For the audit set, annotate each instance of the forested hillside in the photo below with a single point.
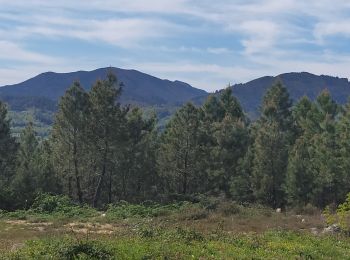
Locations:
(44, 91)
(298, 85)
(101, 151)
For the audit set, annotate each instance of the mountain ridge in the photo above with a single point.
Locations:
(138, 87)
(299, 84)
(147, 90)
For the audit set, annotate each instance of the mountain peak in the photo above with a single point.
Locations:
(138, 87)
(299, 84)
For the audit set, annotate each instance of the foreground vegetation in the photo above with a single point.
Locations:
(55, 228)
(182, 244)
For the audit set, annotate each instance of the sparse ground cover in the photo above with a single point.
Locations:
(55, 228)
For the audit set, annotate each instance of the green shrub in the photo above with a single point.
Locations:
(85, 250)
(63, 248)
(46, 203)
(18, 214)
(124, 210)
(189, 235)
(341, 216)
(56, 206)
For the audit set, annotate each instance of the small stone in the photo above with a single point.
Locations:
(331, 229)
(314, 231)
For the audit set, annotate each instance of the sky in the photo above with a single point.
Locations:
(208, 44)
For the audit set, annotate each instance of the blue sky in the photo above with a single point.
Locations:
(206, 43)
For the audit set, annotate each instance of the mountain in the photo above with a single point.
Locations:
(44, 90)
(298, 84)
(138, 88)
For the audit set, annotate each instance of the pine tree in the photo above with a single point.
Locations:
(299, 181)
(69, 137)
(137, 165)
(324, 153)
(313, 171)
(272, 141)
(48, 180)
(106, 122)
(343, 140)
(180, 152)
(8, 148)
(224, 139)
(25, 182)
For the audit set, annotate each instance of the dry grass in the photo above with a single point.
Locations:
(227, 218)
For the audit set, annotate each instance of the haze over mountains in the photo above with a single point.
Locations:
(44, 90)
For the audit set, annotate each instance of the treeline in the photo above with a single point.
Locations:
(100, 152)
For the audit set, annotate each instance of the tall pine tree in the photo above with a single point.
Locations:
(69, 138)
(273, 137)
(180, 153)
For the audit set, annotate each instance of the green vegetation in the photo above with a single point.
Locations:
(183, 244)
(100, 152)
(41, 119)
(340, 216)
(172, 231)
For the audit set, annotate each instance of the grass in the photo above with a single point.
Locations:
(188, 244)
(205, 230)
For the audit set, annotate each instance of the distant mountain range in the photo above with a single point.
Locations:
(138, 88)
(298, 84)
(44, 90)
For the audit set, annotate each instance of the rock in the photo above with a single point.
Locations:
(314, 231)
(16, 246)
(278, 210)
(331, 229)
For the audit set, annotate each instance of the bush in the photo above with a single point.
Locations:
(18, 214)
(47, 206)
(60, 205)
(46, 203)
(342, 215)
(63, 248)
(85, 250)
(124, 210)
(188, 235)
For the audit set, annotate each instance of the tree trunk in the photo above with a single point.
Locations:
(76, 171)
(70, 187)
(100, 181)
(110, 188)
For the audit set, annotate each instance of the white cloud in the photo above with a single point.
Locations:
(323, 30)
(270, 33)
(14, 52)
(124, 32)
